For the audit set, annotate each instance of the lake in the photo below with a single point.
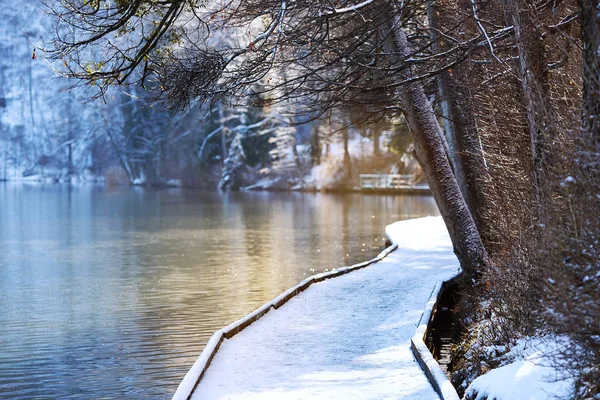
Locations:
(111, 293)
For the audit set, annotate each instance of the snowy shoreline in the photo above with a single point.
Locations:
(417, 190)
(418, 245)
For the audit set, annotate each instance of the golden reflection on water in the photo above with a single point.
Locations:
(113, 293)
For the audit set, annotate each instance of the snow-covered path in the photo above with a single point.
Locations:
(343, 338)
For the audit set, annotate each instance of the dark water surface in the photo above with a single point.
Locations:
(112, 293)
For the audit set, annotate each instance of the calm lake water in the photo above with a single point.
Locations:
(112, 293)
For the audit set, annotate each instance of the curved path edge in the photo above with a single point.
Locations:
(428, 363)
(195, 374)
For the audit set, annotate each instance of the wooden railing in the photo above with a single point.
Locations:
(383, 181)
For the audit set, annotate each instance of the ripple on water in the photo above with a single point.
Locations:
(113, 294)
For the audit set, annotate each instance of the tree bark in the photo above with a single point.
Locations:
(70, 137)
(220, 118)
(122, 157)
(466, 151)
(315, 143)
(472, 158)
(376, 150)
(347, 159)
(590, 37)
(295, 154)
(432, 156)
(454, 152)
(533, 73)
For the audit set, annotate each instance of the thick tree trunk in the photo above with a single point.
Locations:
(451, 134)
(590, 37)
(533, 73)
(432, 156)
(469, 148)
(464, 145)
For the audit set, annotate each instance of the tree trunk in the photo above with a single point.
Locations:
(5, 149)
(454, 151)
(70, 168)
(315, 143)
(122, 157)
(469, 147)
(376, 135)
(6, 138)
(70, 158)
(432, 156)
(220, 118)
(533, 73)
(465, 148)
(5, 159)
(294, 144)
(347, 160)
(34, 139)
(590, 37)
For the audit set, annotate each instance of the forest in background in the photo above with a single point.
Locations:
(47, 133)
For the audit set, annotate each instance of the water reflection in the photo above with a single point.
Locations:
(113, 293)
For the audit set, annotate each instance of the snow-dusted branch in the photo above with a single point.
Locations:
(264, 36)
(344, 10)
(482, 29)
(206, 139)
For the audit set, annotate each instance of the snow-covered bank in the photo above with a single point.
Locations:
(527, 373)
(348, 337)
(50, 176)
(71, 180)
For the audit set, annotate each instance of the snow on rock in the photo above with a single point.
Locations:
(342, 338)
(529, 375)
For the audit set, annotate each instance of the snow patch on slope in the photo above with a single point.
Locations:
(528, 375)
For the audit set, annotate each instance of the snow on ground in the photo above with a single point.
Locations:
(529, 375)
(343, 338)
